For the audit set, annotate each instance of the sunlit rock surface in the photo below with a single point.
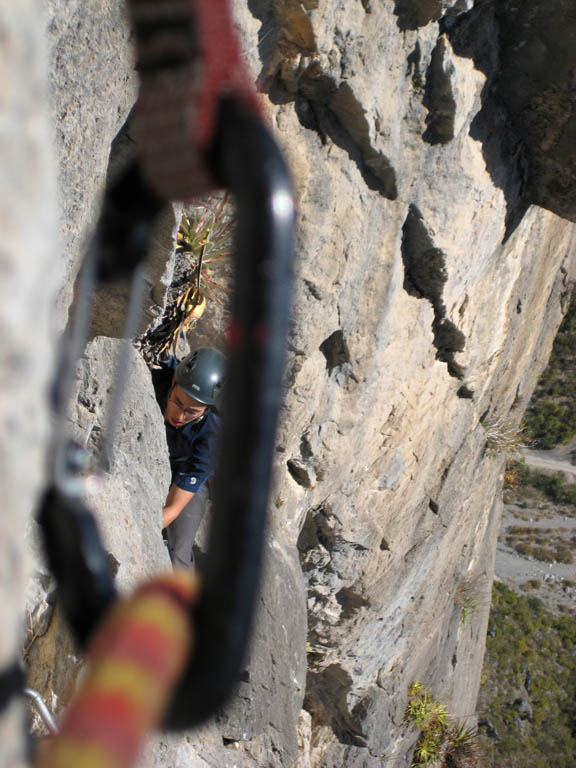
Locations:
(429, 286)
(92, 88)
(429, 290)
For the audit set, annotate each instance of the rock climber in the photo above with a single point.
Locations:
(188, 394)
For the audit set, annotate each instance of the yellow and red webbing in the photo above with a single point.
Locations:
(134, 662)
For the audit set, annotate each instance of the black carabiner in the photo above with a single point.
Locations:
(247, 161)
(244, 159)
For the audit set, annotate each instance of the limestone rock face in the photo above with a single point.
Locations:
(28, 283)
(434, 256)
(530, 85)
(266, 711)
(92, 88)
(127, 504)
(259, 727)
(428, 292)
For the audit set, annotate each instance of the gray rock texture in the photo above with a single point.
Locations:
(129, 502)
(126, 502)
(530, 86)
(111, 300)
(430, 143)
(417, 305)
(28, 283)
(92, 88)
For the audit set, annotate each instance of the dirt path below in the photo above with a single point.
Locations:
(551, 465)
(535, 518)
(560, 459)
(515, 570)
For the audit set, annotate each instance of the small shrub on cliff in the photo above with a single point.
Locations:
(441, 743)
(460, 749)
(469, 596)
(502, 437)
(204, 242)
(512, 476)
(424, 711)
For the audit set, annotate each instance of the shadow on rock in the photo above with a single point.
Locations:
(527, 123)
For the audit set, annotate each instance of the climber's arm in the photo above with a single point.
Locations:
(175, 503)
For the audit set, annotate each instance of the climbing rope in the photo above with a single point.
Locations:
(198, 126)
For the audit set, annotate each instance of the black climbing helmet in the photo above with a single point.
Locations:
(201, 375)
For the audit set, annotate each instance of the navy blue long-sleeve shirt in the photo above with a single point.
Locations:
(192, 446)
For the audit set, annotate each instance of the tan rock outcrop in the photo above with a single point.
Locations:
(428, 294)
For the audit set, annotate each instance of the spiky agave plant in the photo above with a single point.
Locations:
(441, 743)
(430, 717)
(422, 710)
(502, 437)
(459, 748)
(204, 240)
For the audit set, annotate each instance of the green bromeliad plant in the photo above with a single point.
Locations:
(203, 248)
(441, 743)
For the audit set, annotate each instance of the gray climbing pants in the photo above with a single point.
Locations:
(181, 532)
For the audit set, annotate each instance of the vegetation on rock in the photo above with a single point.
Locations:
(528, 693)
(204, 242)
(469, 597)
(502, 437)
(441, 743)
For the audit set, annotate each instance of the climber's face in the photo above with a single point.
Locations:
(181, 408)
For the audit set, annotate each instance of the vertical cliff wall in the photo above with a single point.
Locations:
(429, 289)
(433, 155)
